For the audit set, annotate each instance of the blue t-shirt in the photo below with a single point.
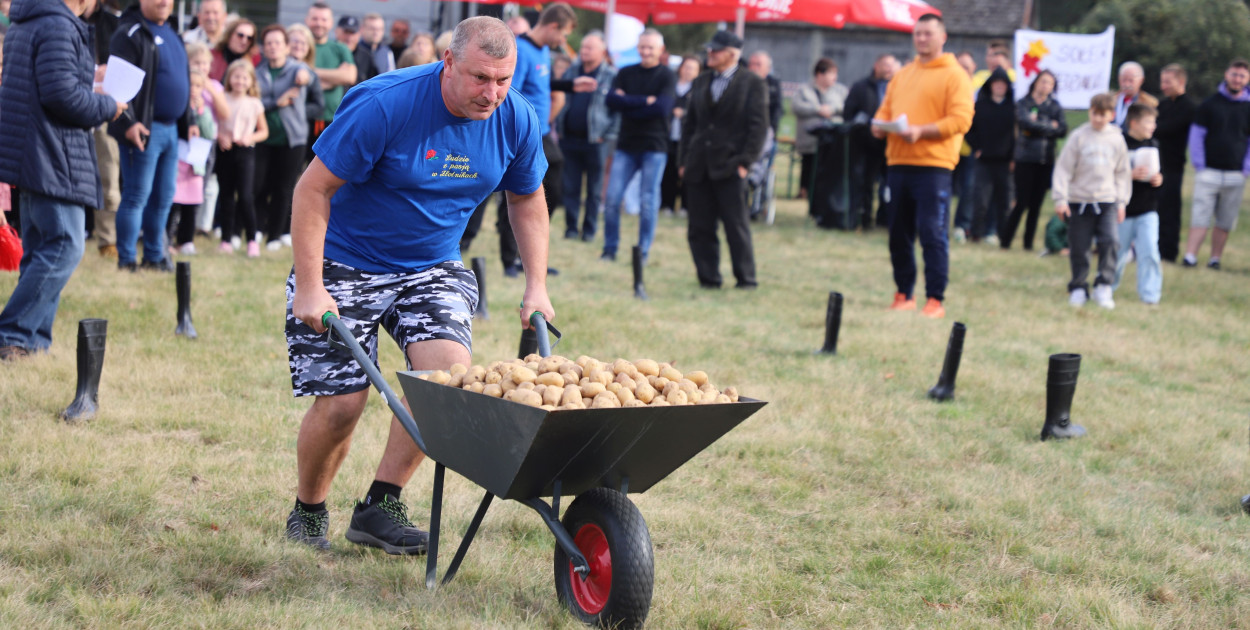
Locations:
(532, 78)
(415, 172)
(173, 81)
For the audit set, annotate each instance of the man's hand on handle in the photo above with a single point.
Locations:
(536, 300)
(311, 303)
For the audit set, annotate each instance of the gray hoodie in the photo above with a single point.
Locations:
(296, 115)
(1093, 168)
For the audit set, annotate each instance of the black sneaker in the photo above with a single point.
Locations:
(309, 528)
(385, 525)
(1213, 264)
(1185, 262)
(163, 265)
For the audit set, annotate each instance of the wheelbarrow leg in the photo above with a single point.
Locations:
(436, 513)
(468, 538)
(563, 538)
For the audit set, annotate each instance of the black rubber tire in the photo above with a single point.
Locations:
(632, 564)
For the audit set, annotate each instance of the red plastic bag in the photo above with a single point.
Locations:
(10, 248)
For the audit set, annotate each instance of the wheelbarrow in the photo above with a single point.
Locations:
(603, 565)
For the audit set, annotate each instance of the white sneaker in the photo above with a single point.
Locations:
(1077, 298)
(959, 235)
(991, 239)
(273, 246)
(285, 239)
(1102, 296)
(187, 249)
(236, 242)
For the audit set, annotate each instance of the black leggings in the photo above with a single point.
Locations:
(236, 173)
(1032, 182)
(278, 167)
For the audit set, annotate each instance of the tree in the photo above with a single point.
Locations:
(1201, 35)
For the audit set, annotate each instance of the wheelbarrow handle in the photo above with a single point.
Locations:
(340, 337)
(538, 322)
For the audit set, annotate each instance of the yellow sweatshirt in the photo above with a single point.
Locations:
(936, 92)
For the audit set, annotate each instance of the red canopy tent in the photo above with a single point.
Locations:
(899, 15)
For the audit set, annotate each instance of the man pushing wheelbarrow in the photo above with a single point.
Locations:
(376, 224)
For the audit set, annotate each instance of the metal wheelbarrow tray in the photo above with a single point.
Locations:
(603, 556)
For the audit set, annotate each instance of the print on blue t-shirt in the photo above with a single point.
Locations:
(532, 78)
(415, 172)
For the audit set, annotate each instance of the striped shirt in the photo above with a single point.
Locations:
(721, 81)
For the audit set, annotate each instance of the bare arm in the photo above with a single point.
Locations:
(310, 215)
(530, 224)
(262, 131)
(344, 75)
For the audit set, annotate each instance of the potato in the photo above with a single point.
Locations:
(600, 375)
(658, 382)
(591, 389)
(671, 373)
(645, 392)
(552, 395)
(677, 397)
(456, 380)
(635, 403)
(571, 393)
(493, 390)
(493, 366)
(527, 397)
(627, 381)
(687, 386)
(721, 399)
(550, 364)
(522, 375)
(507, 384)
(526, 385)
(570, 366)
(670, 388)
(582, 360)
(533, 356)
(731, 392)
(625, 396)
(659, 402)
(586, 402)
(647, 367)
(605, 400)
(547, 407)
(440, 377)
(570, 377)
(493, 378)
(476, 374)
(458, 368)
(574, 405)
(552, 379)
(476, 387)
(621, 366)
(423, 377)
(694, 397)
(698, 376)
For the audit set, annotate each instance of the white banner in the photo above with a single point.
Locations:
(1080, 63)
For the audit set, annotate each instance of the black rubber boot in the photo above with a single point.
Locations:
(833, 323)
(1060, 387)
(945, 388)
(479, 272)
(185, 327)
(640, 291)
(91, 337)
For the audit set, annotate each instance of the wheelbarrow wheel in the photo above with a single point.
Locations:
(610, 531)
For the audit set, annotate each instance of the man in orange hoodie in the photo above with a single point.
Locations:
(935, 94)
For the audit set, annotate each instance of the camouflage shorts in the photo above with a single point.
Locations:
(437, 303)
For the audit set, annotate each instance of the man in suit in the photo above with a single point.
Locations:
(722, 135)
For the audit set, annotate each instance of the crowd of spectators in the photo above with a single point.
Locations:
(674, 134)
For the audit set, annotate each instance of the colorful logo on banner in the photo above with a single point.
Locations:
(1037, 52)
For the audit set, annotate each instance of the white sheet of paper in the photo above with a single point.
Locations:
(197, 152)
(1148, 157)
(122, 79)
(898, 125)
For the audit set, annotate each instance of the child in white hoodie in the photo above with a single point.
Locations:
(1091, 189)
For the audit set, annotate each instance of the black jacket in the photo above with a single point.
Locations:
(776, 107)
(864, 98)
(135, 43)
(993, 130)
(718, 137)
(1036, 144)
(48, 105)
(366, 67)
(1175, 116)
(105, 24)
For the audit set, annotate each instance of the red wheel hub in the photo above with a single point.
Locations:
(592, 593)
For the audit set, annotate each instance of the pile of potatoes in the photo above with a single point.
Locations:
(559, 383)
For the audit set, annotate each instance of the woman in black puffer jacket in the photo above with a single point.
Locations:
(1041, 122)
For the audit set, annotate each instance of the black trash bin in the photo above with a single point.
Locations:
(830, 194)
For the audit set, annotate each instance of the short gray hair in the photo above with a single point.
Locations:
(490, 34)
(1132, 65)
(597, 34)
(654, 33)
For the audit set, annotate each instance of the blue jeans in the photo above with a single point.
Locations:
(920, 198)
(582, 158)
(148, 180)
(1142, 234)
(53, 232)
(624, 165)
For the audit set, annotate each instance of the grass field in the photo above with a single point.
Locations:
(849, 501)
